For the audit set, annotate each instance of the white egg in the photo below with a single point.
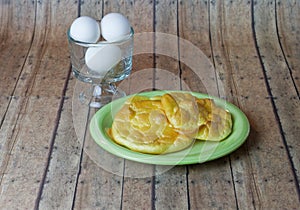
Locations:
(102, 59)
(114, 26)
(85, 29)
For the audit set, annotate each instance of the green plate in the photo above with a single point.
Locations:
(199, 152)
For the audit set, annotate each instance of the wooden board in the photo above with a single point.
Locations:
(170, 182)
(48, 159)
(97, 187)
(288, 26)
(134, 189)
(216, 191)
(260, 157)
(29, 126)
(284, 93)
(138, 178)
(287, 23)
(16, 29)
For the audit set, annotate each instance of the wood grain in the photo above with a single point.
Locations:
(234, 54)
(138, 178)
(170, 182)
(16, 38)
(198, 74)
(98, 187)
(281, 89)
(61, 177)
(48, 160)
(288, 24)
(167, 73)
(125, 190)
(216, 191)
(235, 78)
(29, 124)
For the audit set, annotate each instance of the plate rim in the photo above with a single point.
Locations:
(112, 147)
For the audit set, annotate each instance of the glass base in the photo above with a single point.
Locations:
(96, 96)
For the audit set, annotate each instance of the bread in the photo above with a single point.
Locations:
(168, 123)
(182, 111)
(215, 123)
(142, 125)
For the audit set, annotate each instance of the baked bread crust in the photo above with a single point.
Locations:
(215, 123)
(168, 123)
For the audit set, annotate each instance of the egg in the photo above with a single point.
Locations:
(85, 29)
(102, 59)
(114, 26)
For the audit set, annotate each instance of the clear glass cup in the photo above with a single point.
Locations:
(101, 64)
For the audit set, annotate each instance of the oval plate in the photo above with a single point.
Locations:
(199, 152)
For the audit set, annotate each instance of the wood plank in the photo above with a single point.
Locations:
(198, 74)
(125, 190)
(49, 50)
(12, 58)
(288, 23)
(100, 179)
(284, 92)
(231, 65)
(17, 23)
(170, 182)
(99, 187)
(16, 31)
(222, 44)
(91, 8)
(138, 181)
(60, 182)
(171, 187)
(25, 149)
(100, 172)
(210, 184)
(256, 70)
(99, 184)
(167, 73)
(236, 59)
(30, 125)
(140, 15)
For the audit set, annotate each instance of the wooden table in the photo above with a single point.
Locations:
(255, 51)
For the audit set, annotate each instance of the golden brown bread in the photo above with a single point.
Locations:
(215, 123)
(168, 123)
(181, 111)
